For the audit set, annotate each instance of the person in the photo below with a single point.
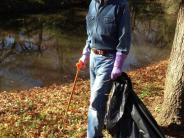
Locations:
(107, 46)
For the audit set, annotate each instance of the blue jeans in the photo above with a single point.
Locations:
(101, 84)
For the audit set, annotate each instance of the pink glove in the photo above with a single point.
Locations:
(118, 63)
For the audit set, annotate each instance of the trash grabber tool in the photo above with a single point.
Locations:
(73, 89)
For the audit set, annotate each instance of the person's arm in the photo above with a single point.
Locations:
(124, 36)
(85, 54)
(86, 49)
(124, 29)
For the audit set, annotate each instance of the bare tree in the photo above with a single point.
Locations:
(173, 105)
(170, 6)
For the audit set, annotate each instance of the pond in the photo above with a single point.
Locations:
(42, 49)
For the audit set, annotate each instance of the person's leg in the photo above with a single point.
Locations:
(100, 88)
(92, 69)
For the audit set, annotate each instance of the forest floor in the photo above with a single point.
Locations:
(40, 112)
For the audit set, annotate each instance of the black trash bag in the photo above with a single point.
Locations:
(127, 116)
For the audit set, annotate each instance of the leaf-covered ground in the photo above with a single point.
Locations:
(40, 112)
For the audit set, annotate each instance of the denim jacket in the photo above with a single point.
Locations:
(108, 25)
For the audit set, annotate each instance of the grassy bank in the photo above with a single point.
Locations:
(39, 112)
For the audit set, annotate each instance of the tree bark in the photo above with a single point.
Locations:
(173, 105)
(170, 6)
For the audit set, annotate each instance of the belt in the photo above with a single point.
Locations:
(102, 51)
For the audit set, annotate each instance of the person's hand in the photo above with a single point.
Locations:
(118, 63)
(81, 64)
(116, 72)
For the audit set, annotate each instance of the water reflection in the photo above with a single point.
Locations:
(42, 49)
(152, 38)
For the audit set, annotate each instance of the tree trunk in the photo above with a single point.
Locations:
(173, 105)
(170, 6)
